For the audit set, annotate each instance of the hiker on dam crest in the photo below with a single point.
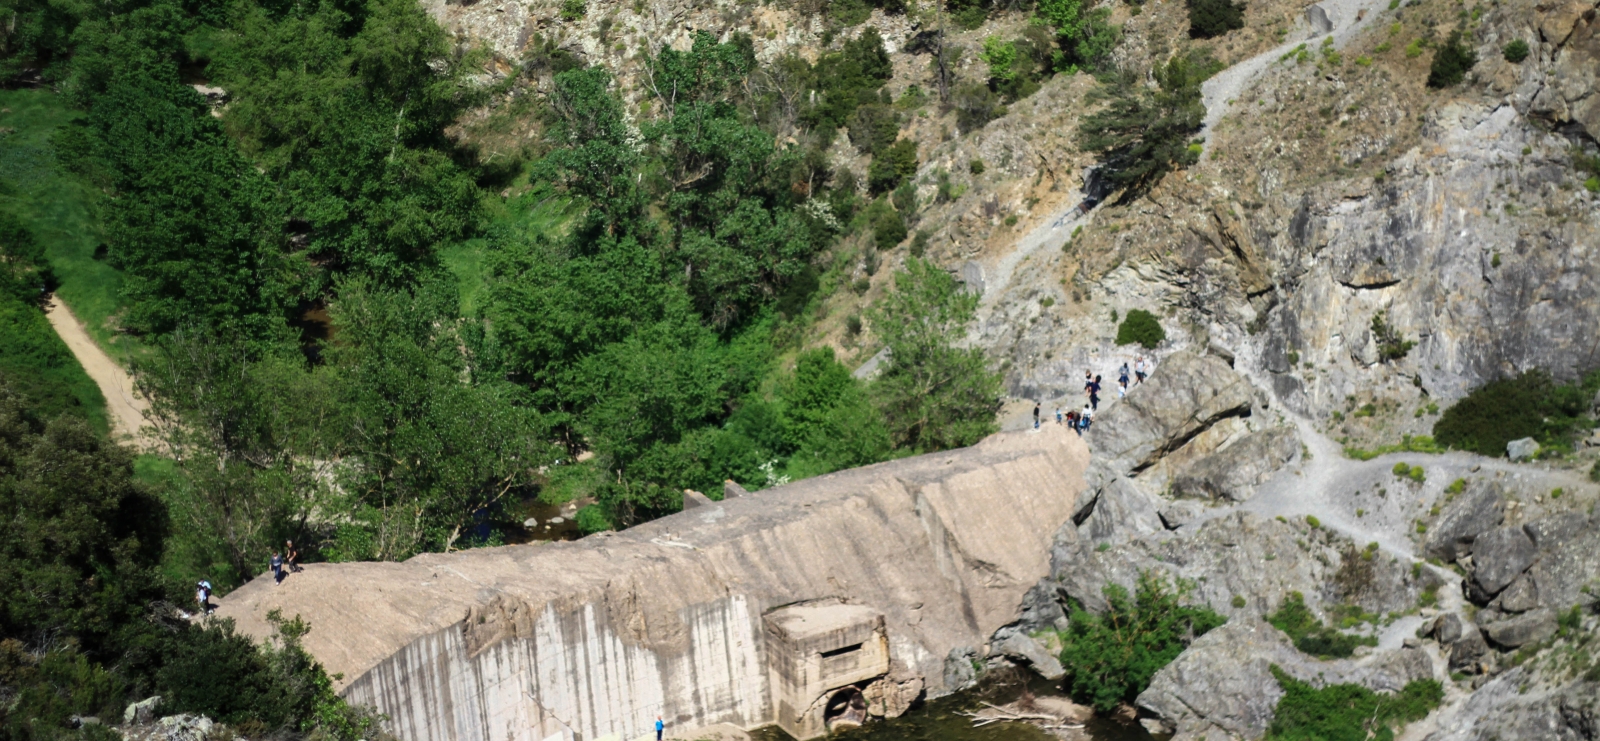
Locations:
(659, 727)
(1036, 415)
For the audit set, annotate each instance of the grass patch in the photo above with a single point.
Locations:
(56, 206)
(1407, 444)
(1347, 712)
(1310, 635)
(38, 367)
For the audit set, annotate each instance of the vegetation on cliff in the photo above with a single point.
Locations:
(1110, 658)
(1347, 712)
(1529, 405)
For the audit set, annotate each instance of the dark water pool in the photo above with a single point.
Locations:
(940, 720)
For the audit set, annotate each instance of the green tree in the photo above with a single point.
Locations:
(1347, 712)
(934, 394)
(1451, 62)
(1086, 36)
(1143, 134)
(1001, 56)
(1141, 327)
(1212, 18)
(1111, 657)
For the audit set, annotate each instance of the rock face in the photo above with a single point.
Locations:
(598, 636)
(1187, 394)
(1232, 473)
(1523, 629)
(1222, 684)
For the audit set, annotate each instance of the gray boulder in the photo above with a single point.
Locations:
(1499, 556)
(141, 712)
(1179, 513)
(1521, 596)
(1185, 395)
(1529, 627)
(1461, 641)
(1022, 648)
(1477, 509)
(182, 728)
(1568, 560)
(1523, 449)
(1232, 473)
(960, 668)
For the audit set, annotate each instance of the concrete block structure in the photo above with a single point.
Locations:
(820, 656)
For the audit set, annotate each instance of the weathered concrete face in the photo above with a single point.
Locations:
(817, 654)
(597, 637)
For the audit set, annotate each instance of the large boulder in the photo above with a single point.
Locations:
(1500, 556)
(141, 712)
(1233, 472)
(1522, 449)
(1023, 648)
(1568, 560)
(1475, 510)
(1184, 396)
(1224, 681)
(1529, 627)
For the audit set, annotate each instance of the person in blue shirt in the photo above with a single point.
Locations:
(659, 727)
(277, 568)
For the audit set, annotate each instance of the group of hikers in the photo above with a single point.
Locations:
(283, 563)
(1080, 421)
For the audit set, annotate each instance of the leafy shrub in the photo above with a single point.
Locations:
(1451, 62)
(975, 167)
(1457, 486)
(1239, 601)
(1111, 657)
(892, 166)
(1142, 327)
(572, 10)
(1347, 712)
(1313, 521)
(1212, 18)
(1143, 134)
(1310, 635)
(1414, 49)
(1515, 52)
(1401, 469)
(1391, 345)
(1530, 405)
(1418, 475)
(975, 106)
(889, 230)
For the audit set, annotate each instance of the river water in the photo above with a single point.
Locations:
(941, 720)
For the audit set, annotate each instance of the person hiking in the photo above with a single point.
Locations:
(1058, 415)
(1072, 419)
(1122, 373)
(202, 598)
(659, 727)
(1094, 393)
(291, 557)
(277, 568)
(1140, 370)
(1085, 419)
(1036, 415)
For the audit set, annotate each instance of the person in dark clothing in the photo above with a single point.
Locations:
(1072, 420)
(1094, 393)
(1036, 415)
(291, 557)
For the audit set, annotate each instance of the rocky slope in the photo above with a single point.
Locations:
(1335, 188)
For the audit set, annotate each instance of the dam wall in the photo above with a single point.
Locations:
(594, 638)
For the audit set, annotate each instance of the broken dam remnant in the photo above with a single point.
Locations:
(817, 603)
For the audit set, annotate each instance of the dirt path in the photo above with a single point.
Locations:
(125, 407)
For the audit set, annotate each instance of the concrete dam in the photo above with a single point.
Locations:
(834, 597)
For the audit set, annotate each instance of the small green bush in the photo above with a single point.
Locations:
(1111, 657)
(593, 519)
(1592, 184)
(1239, 601)
(1515, 52)
(1310, 635)
(1457, 486)
(1418, 475)
(1414, 49)
(1451, 62)
(572, 10)
(1401, 469)
(1142, 327)
(1594, 472)
(976, 167)
(1313, 521)
(1347, 712)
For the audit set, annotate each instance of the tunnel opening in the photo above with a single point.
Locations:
(847, 708)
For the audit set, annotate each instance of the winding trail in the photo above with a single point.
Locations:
(124, 406)
(1218, 93)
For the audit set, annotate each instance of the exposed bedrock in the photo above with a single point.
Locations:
(687, 616)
